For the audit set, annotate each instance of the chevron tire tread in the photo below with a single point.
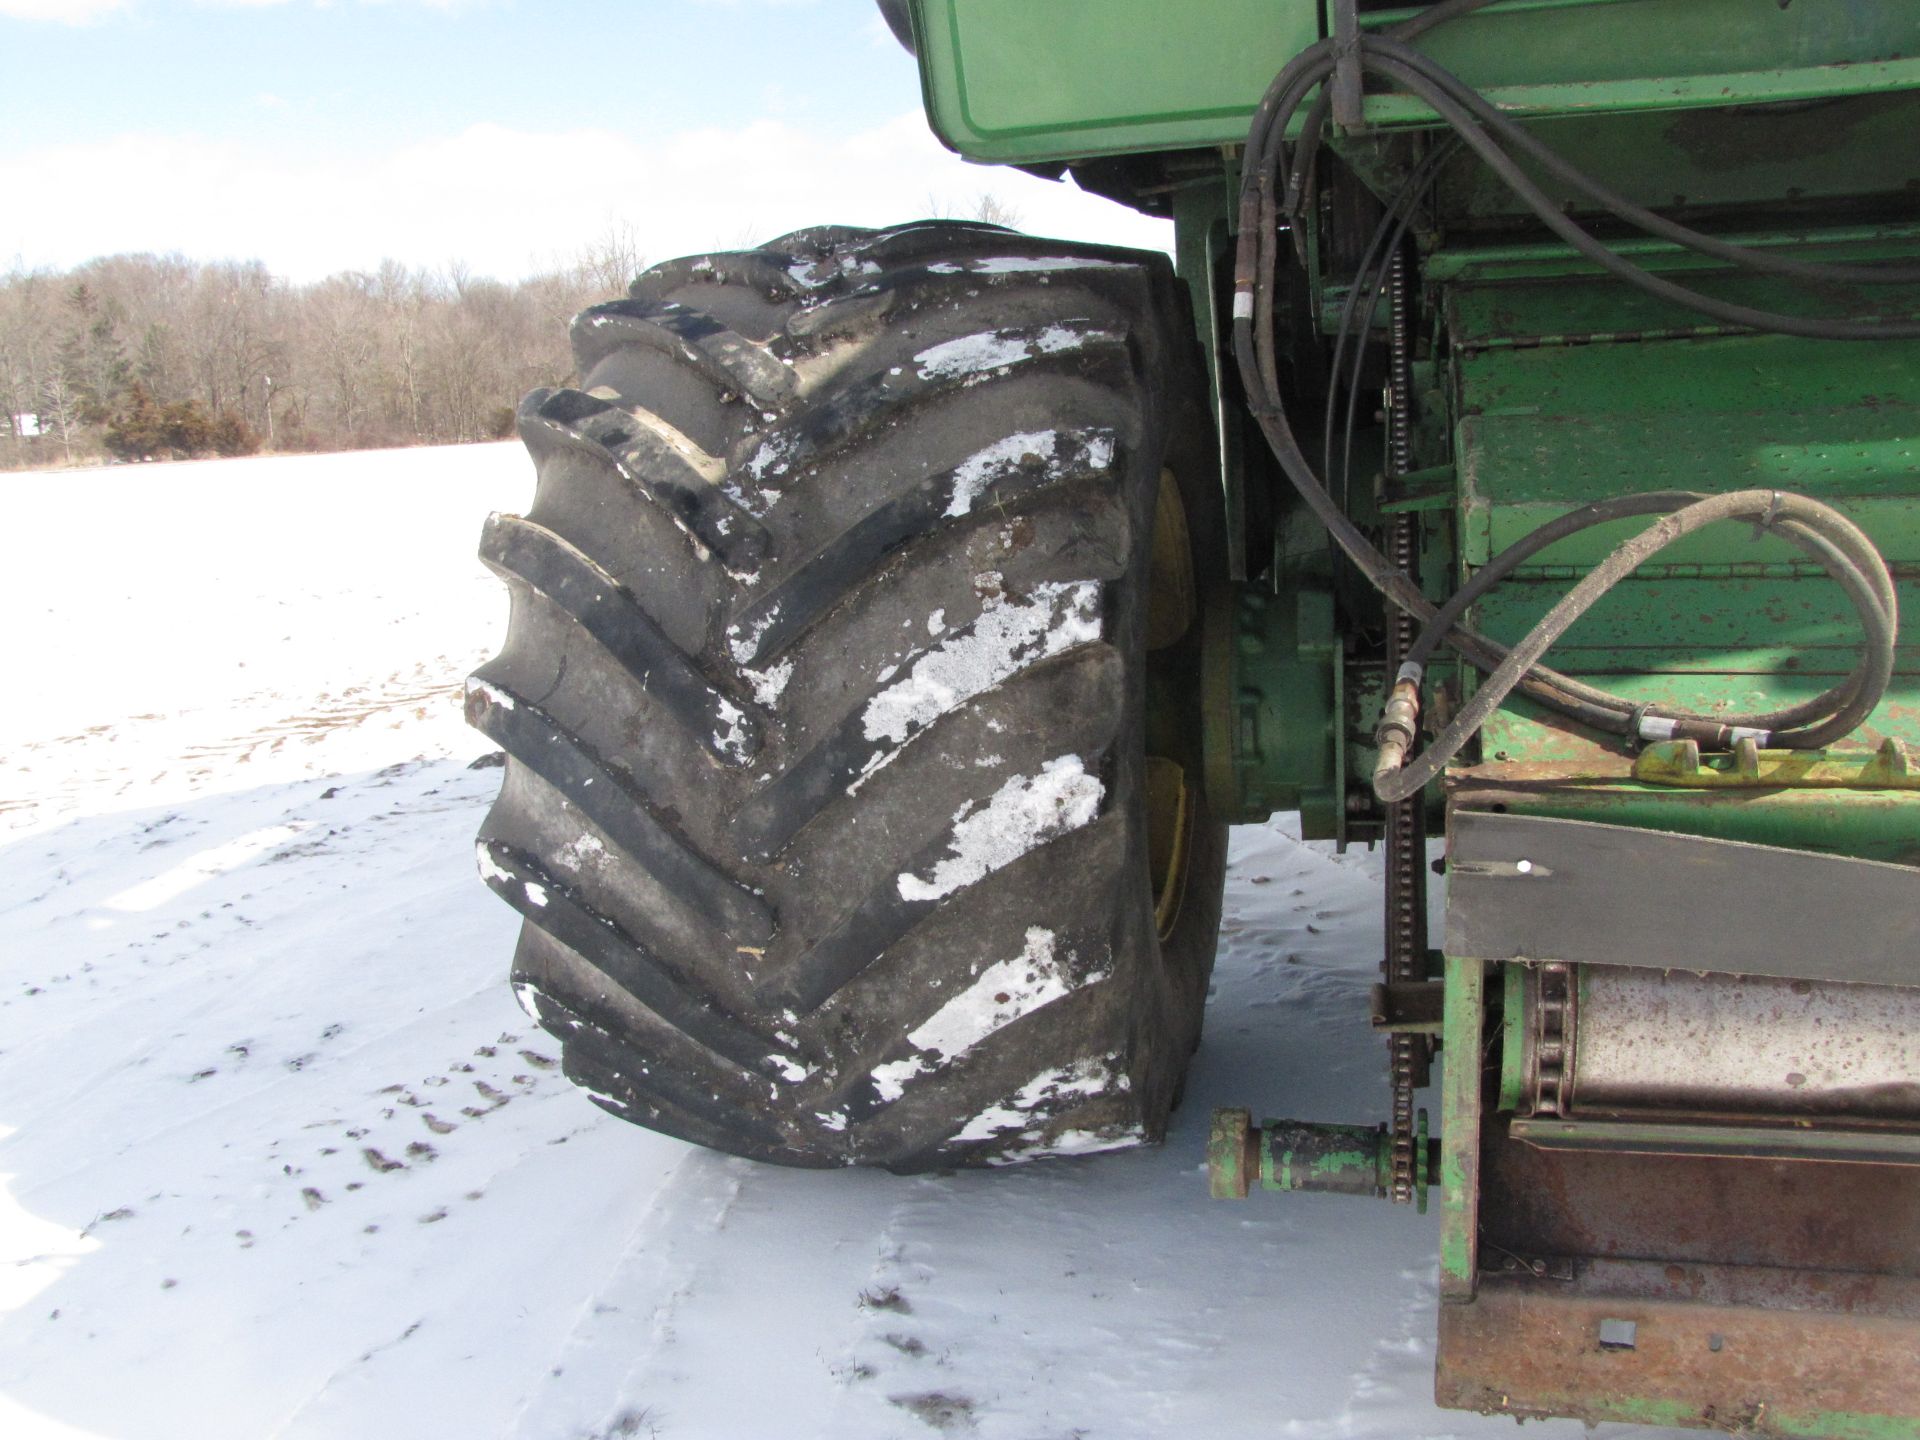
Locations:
(823, 699)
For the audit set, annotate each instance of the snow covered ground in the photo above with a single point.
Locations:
(279, 1156)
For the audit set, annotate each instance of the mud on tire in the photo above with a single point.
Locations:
(829, 806)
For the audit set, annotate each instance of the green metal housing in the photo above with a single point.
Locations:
(1023, 82)
(1565, 389)
(1541, 384)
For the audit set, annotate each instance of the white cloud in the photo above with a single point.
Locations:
(87, 12)
(508, 201)
(61, 12)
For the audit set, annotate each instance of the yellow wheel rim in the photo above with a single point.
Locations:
(1172, 606)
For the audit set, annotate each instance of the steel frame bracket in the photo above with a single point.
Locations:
(1702, 1347)
(1526, 887)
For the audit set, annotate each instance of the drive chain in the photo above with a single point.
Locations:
(1406, 838)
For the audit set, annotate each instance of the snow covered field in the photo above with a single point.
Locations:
(279, 1156)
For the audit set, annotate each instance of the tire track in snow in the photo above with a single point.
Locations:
(1018, 1306)
(552, 1273)
(195, 1014)
(595, 1379)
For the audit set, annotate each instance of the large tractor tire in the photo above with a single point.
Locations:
(832, 804)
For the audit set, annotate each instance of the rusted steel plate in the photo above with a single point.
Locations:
(1783, 1216)
(1719, 1139)
(1526, 887)
(1672, 1346)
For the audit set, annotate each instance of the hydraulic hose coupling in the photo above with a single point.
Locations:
(1708, 735)
(1399, 720)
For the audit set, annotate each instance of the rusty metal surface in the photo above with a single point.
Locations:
(1825, 1291)
(1550, 1022)
(1327, 1159)
(1643, 1041)
(1580, 759)
(1803, 1140)
(1750, 1295)
(1748, 767)
(1418, 1007)
(1680, 1345)
(1233, 1154)
(1684, 1210)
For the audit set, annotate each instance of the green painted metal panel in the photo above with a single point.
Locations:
(1462, 1042)
(1843, 1425)
(1031, 80)
(1693, 157)
(1889, 518)
(1546, 260)
(1019, 80)
(1482, 314)
(1668, 92)
(1706, 627)
(1600, 41)
(1812, 1424)
(1555, 406)
(1868, 825)
(1546, 425)
(1513, 991)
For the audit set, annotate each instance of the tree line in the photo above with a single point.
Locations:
(139, 357)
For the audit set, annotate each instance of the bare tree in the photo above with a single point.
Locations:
(398, 356)
(990, 209)
(343, 338)
(606, 266)
(987, 207)
(230, 336)
(28, 331)
(61, 408)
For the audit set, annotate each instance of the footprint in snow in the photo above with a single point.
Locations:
(889, 1298)
(938, 1409)
(389, 1140)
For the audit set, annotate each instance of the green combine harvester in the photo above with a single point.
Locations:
(1523, 452)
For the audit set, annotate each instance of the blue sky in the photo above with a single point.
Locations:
(323, 136)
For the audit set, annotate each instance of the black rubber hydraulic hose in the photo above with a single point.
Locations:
(1837, 548)
(1416, 83)
(1396, 780)
(1520, 138)
(1322, 108)
(1853, 559)
(1386, 239)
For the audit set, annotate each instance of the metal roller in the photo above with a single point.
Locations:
(1612, 1040)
